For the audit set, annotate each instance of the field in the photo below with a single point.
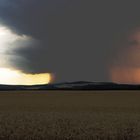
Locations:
(70, 115)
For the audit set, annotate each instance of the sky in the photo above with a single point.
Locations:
(75, 40)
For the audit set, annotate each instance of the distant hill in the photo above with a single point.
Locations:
(79, 85)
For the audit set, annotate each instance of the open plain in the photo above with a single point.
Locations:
(69, 115)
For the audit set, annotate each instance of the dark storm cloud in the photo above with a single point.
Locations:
(77, 38)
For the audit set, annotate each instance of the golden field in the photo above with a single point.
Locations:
(69, 115)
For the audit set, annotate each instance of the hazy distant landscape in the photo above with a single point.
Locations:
(78, 85)
(69, 115)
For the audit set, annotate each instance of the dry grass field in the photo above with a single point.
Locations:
(70, 115)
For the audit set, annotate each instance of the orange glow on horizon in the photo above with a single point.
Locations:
(125, 75)
(15, 77)
(126, 63)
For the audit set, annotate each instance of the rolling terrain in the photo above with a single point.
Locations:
(79, 85)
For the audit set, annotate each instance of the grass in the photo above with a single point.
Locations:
(70, 115)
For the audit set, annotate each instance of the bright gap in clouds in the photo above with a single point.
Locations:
(8, 74)
(15, 77)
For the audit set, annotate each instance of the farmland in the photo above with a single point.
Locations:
(69, 115)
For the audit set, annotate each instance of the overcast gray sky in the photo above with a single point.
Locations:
(76, 39)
